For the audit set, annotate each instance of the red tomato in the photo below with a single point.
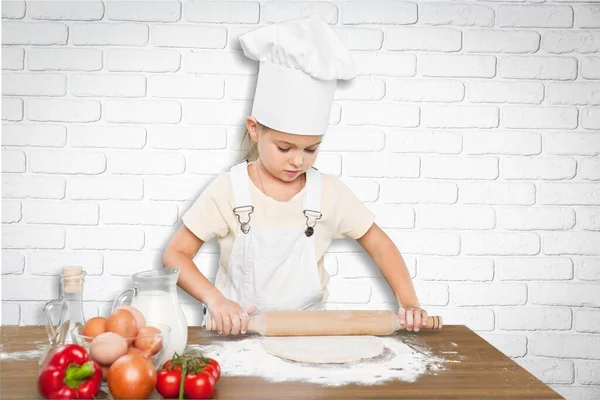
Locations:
(199, 386)
(167, 365)
(168, 382)
(209, 365)
(212, 371)
(216, 366)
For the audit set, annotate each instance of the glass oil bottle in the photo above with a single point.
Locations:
(69, 307)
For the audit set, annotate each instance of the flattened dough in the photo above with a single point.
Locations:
(324, 349)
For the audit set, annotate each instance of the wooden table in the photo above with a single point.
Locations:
(483, 372)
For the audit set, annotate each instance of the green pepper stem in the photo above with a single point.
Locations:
(76, 374)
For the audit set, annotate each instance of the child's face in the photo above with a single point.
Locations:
(285, 155)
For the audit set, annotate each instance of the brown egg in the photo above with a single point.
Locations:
(104, 372)
(107, 347)
(135, 351)
(122, 322)
(139, 317)
(147, 342)
(94, 326)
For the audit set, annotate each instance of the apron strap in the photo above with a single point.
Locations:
(243, 203)
(312, 200)
(240, 182)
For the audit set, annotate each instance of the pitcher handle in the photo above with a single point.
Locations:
(52, 333)
(120, 299)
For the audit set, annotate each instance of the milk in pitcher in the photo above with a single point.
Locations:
(158, 306)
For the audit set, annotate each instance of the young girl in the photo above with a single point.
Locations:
(273, 213)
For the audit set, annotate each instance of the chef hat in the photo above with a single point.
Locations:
(300, 62)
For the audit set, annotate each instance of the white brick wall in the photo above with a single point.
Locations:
(472, 131)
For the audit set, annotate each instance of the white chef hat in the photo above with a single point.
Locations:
(300, 63)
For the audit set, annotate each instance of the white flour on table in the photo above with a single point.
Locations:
(248, 358)
(21, 355)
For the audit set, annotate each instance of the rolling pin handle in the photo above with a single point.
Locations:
(209, 323)
(256, 324)
(434, 322)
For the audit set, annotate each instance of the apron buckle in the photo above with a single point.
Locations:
(311, 221)
(244, 226)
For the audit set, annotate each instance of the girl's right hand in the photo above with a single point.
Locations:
(229, 316)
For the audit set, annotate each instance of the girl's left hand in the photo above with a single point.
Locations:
(414, 318)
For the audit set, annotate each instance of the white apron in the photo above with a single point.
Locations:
(274, 268)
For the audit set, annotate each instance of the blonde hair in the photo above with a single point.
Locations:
(252, 153)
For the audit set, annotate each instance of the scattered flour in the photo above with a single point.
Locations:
(21, 355)
(9, 354)
(247, 357)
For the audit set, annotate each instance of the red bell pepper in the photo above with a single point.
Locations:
(69, 373)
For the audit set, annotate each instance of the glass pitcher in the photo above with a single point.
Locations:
(154, 293)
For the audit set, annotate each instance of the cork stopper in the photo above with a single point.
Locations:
(72, 277)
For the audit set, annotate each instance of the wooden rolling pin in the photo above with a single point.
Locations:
(326, 323)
